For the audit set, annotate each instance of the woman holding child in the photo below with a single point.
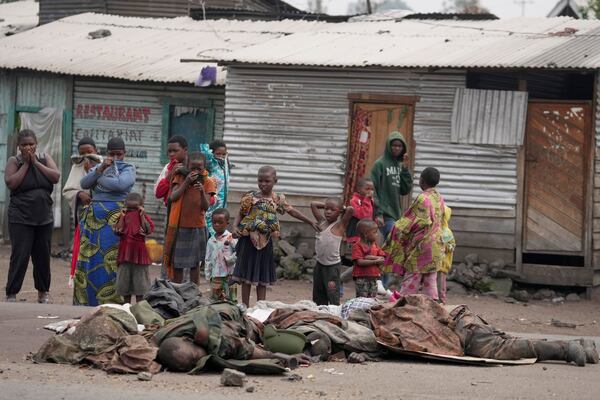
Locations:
(110, 182)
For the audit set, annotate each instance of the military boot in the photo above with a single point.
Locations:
(591, 353)
(558, 350)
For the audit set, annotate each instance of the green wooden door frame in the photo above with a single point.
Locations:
(167, 102)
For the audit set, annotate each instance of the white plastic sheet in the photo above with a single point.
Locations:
(47, 126)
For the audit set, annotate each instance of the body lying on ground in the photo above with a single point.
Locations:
(219, 335)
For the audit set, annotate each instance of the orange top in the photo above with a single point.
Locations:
(186, 211)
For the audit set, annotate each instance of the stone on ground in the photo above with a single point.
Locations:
(305, 251)
(455, 288)
(231, 377)
(544, 294)
(501, 286)
(573, 297)
(471, 259)
(144, 376)
(521, 295)
(286, 247)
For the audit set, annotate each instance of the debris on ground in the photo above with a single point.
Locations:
(544, 294)
(558, 300)
(250, 389)
(561, 324)
(231, 377)
(521, 295)
(292, 378)
(144, 376)
(573, 297)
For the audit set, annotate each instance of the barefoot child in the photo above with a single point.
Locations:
(189, 198)
(256, 224)
(220, 257)
(414, 245)
(448, 244)
(362, 204)
(133, 226)
(368, 259)
(326, 275)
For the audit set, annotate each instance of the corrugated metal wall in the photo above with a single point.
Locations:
(148, 8)
(40, 90)
(5, 100)
(298, 121)
(494, 117)
(32, 90)
(472, 176)
(143, 139)
(51, 10)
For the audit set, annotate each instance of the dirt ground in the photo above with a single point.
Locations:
(532, 317)
(22, 333)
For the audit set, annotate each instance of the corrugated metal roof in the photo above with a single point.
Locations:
(138, 49)
(505, 43)
(18, 16)
(495, 117)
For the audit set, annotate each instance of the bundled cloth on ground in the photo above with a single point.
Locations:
(171, 299)
(106, 338)
(416, 323)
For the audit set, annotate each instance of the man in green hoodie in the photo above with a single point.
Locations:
(391, 179)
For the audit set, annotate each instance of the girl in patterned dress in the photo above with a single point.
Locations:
(256, 224)
(414, 246)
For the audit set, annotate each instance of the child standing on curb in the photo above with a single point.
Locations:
(185, 243)
(326, 275)
(368, 259)
(220, 257)
(133, 277)
(255, 225)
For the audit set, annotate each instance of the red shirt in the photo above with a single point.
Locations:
(362, 205)
(359, 251)
(363, 208)
(132, 247)
(164, 185)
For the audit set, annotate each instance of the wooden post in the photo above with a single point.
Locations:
(520, 194)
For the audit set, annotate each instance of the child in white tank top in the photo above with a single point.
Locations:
(333, 220)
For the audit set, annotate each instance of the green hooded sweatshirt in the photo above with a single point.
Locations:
(391, 180)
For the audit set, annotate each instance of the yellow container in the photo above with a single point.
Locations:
(155, 251)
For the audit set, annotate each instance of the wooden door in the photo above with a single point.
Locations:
(377, 120)
(557, 139)
(383, 119)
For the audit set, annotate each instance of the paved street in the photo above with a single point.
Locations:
(22, 332)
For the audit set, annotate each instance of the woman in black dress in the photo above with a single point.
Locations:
(30, 177)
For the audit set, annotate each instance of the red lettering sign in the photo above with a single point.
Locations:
(110, 112)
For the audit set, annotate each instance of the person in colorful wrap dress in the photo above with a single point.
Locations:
(414, 247)
(256, 224)
(217, 165)
(96, 273)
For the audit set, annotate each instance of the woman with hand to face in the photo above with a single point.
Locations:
(110, 183)
(30, 176)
